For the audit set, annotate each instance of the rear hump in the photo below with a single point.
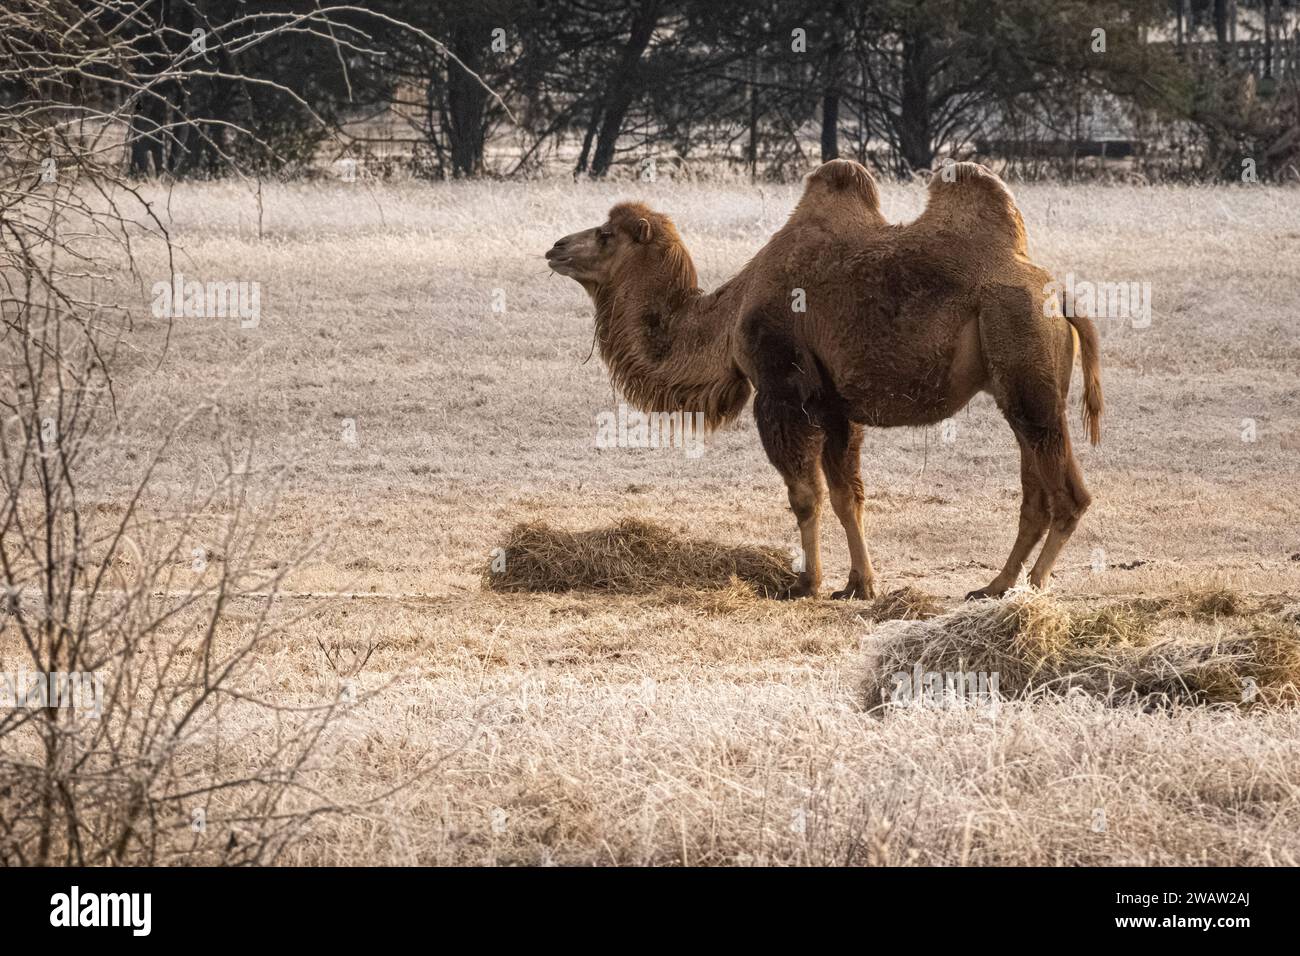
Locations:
(969, 199)
(837, 187)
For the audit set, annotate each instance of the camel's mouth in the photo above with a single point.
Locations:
(561, 264)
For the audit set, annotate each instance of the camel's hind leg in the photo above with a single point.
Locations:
(1035, 516)
(842, 463)
(794, 445)
(1054, 499)
(1067, 498)
(1020, 349)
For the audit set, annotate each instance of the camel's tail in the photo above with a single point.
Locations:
(1090, 348)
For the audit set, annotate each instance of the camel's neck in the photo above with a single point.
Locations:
(668, 346)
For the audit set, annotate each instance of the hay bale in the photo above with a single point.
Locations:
(1018, 638)
(632, 557)
(1117, 653)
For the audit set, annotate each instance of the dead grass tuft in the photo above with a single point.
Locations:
(904, 604)
(1120, 652)
(632, 557)
(1209, 602)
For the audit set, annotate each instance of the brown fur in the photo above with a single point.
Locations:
(902, 326)
(662, 353)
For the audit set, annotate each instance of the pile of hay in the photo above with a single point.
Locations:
(1118, 653)
(633, 557)
(904, 604)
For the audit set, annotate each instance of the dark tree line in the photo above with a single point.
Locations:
(768, 85)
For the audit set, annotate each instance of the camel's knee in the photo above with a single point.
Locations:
(1079, 491)
(1060, 505)
(1065, 494)
(805, 501)
(1067, 509)
(1080, 499)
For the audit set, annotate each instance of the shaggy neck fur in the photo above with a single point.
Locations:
(666, 344)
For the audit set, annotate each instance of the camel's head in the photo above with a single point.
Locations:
(632, 237)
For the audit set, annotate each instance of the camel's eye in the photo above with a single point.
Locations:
(605, 234)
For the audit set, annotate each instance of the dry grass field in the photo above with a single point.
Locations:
(679, 726)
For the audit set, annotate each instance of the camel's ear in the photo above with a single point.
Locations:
(643, 231)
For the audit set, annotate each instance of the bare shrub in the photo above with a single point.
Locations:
(132, 626)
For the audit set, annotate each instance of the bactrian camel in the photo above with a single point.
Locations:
(901, 325)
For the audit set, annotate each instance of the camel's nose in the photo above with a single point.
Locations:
(557, 249)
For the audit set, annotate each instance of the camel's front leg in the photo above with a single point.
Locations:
(806, 503)
(842, 463)
(793, 445)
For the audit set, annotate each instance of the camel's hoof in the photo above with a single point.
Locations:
(984, 594)
(853, 591)
(796, 591)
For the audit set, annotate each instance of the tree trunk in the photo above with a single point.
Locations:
(146, 142)
(466, 102)
(830, 124)
(624, 86)
(1269, 6)
(914, 116)
(1221, 28)
(752, 150)
(831, 87)
(148, 153)
(593, 124)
